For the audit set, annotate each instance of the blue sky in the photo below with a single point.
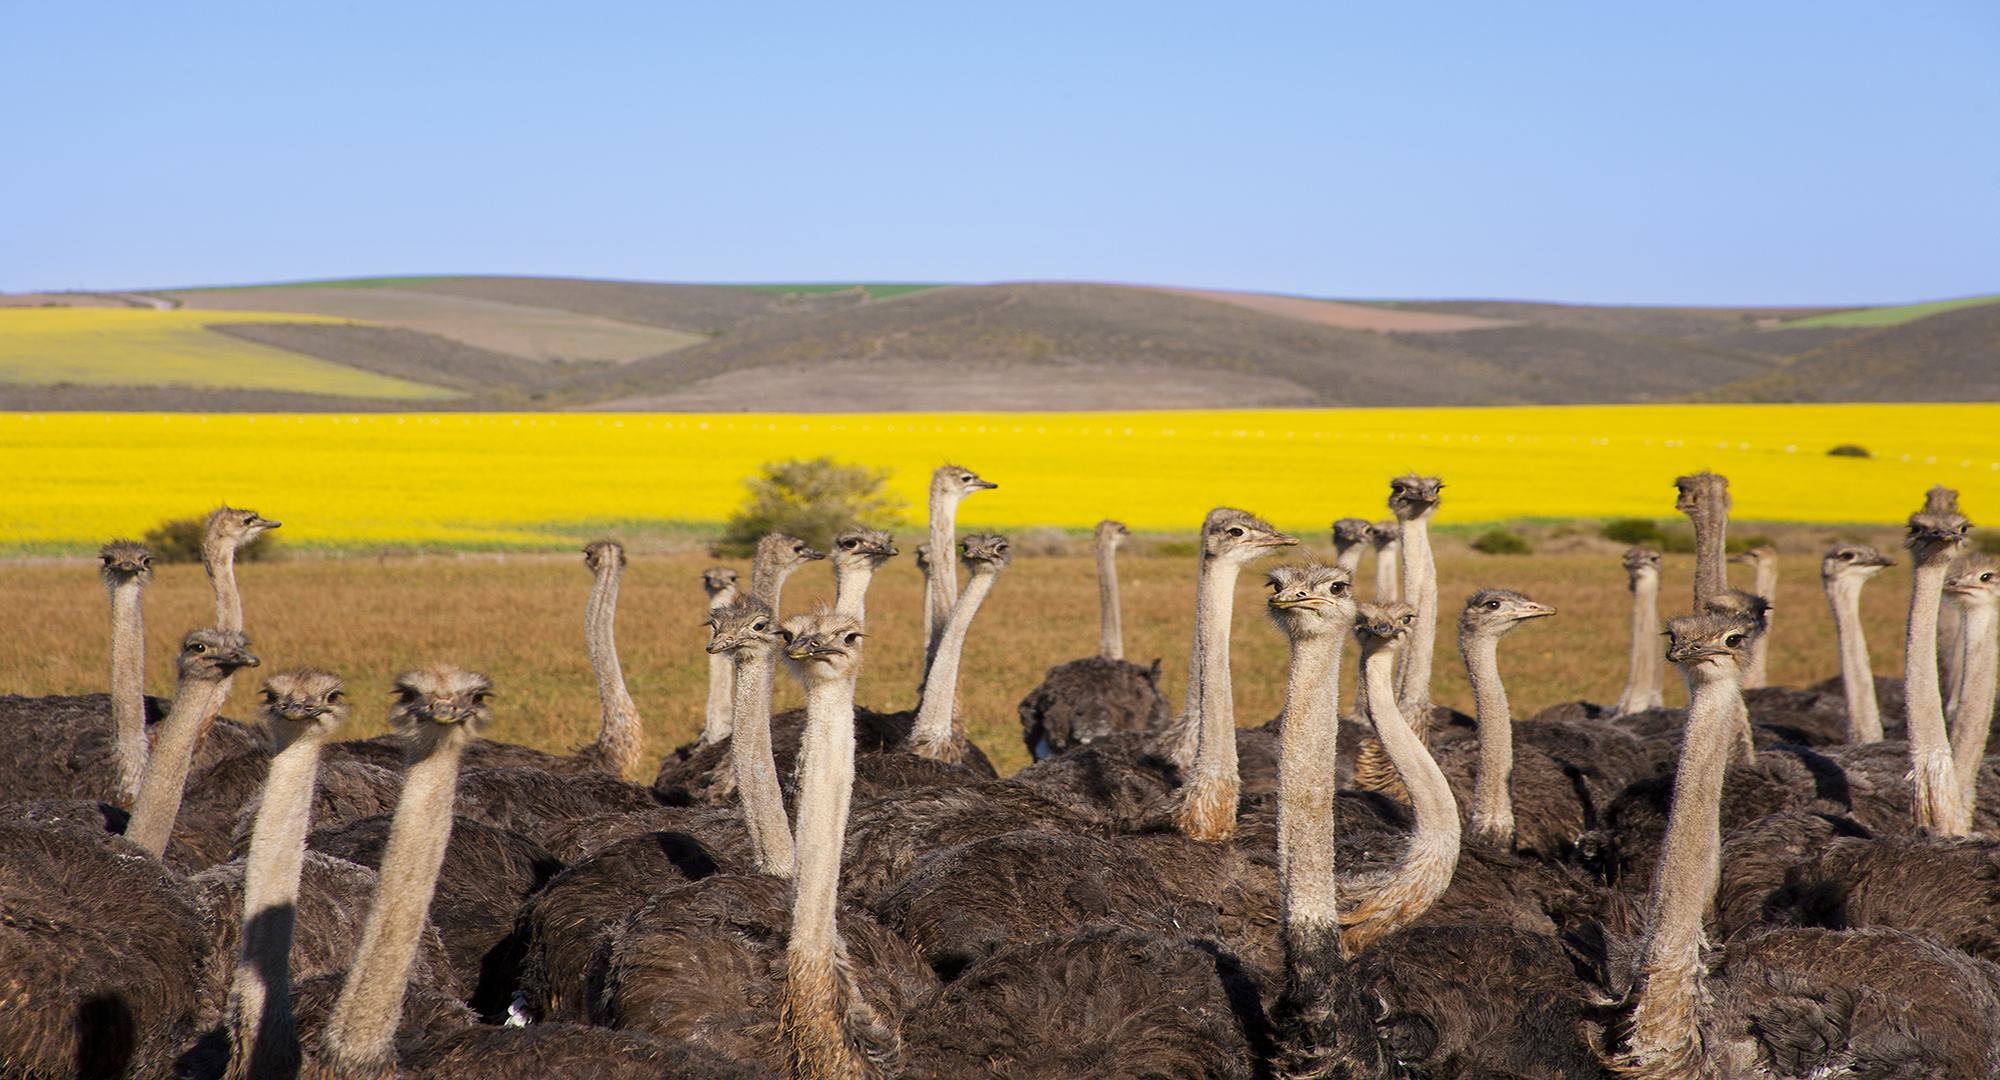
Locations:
(1685, 153)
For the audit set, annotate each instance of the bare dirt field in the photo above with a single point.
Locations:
(520, 619)
(1351, 316)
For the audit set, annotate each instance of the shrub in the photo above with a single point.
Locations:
(1632, 531)
(812, 500)
(1501, 542)
(1175, 549)
(1678, 542)
(1849, 450)
(178, 540)
(1736, 544)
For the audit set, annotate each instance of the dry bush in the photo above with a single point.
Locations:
(179, 541)
(812, 500)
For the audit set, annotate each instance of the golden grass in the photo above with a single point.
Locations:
(548, 480)
(520, 619)
(143, 347)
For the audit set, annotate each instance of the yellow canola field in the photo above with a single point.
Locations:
(143, 347)
(544, 480)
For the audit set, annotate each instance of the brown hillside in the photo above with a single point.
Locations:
(407, 354)
(1951, 356)
(699, 309)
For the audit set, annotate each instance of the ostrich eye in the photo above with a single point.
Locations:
(760, 626)
(1235, 531)
(479, 698)
(1408, 619)
(1493, 605)
(1733, 640)
(786, 634)
(198, 647)
(336, 696)
(853, 638)
(1986, 577)
(271, 696)
(1338, 588)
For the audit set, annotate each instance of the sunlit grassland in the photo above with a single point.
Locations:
(143, 347)
(1886, 316)
(520, 620)
(544, 481)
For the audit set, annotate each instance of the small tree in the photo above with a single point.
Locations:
(1849, 450)
(1632, 531)
(1502, 542)
(178, 540)
(811, 500)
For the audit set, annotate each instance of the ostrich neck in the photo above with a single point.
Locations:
(815, 995)
(195, 699)
(263, 1042)
(360, 1035)
(941, 583)
(1349, 559)
(1306, 783)
(128, 688)
(754, 764)
(1711, 567)
(767, 582)
(1664, 1029)
(1642, 682)
(1935, 799)
(1857, 679)
(1386, 559)
(1492, 792)
(1207, 809)
(1973, 717)
(1413, 685)
(1950, 652)
(936, 733)
(220, 562)
(1111, 634)
(1767, 579)
(1389, 901)
(850, 587)
(716, 720)
(620, 733)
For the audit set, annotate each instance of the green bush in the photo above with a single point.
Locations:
(812, 500)
(1632, 531)
(179, 541)
(1736, 544)
(1175, 549)
(1501, 542)
(1677, 542)
(1849, 450)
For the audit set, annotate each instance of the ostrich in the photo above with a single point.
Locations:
(949, 484)
(857, 554)
(227, 531)
(128, 568)
(1350, 535)
(778, 556)
(1203, 741)
(1385, 537)
(1704, 498)
(939, 730)
(1111, 629)
(1789, 1002)
(207, 659)
(720, 582)
(1414, 499)
(1763, 561)
(1843, 571)
(1642, 685)
(748, 634)
(1937, 796)
(1975, 589)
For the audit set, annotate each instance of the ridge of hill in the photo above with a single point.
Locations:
(1950, 356)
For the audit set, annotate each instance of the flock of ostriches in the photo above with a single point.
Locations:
(1769, 882)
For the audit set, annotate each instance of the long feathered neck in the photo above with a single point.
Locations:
(1756, 674)
(1306, 784)
(1972, 713)
(128, 687)
(1413, 680)
(754, 763)
(1711, 567)
(1388, 558)
(359, 1040)
(1492, 792)
(941, 571)
(263, 1043)
(1392, 900)
(718, 715)
(851, 578)
(620, 735)
(938, 731)
(1936, 801)
(1207, 806)
(1645, 672)
(819, 996)
(1662, 1036)
(1857, 678)
(1111, 631)
(195, 699)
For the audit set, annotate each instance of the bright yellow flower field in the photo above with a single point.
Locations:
(543, 480)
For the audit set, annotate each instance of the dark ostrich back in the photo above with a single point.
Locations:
(720, 833)
(888, 835)
(221, 804)
(1108, 1002)
(59, 746)
(535, 803)
(1946, 888)
(1759, 859)
(102, 948)
(487, 873)
(543, 1051)
(1088, 699)
(1117, 781)
(705, 964)
(704, 772)
(388, 751)
(1553, 806)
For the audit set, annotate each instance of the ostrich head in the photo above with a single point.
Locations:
(787, 553)
(1349, 531)
(126, 562)
(1740, 602)
(1311, 600)
(1934, 538)
(955, 482)
(302, 699)
(871, 547)
(214, 655)
(1380, 626)
(1412, 496)
(1111, 532)
(233, 527)
(1703, 493)
(1757, 556)
(1384, 532)
(1239, 537)
(1975, 581)
(1852, 561)
(440, 696)
(743, 621)
(985, 553)
(718, 579)
(600, 554)
(1711, 646)
(1496, 611)
(823, 646)
(1640, 561)
(1941, 500)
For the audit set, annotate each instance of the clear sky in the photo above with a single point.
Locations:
(1664, 153)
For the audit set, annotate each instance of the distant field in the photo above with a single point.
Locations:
(541, 481)
(1885, 316)
(142, 347)
(873, 291)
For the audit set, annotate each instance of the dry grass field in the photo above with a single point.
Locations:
(520, 619)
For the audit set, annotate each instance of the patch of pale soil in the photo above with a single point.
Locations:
(515, 329)
(60, 299)
(1349, 316)
(957, 385)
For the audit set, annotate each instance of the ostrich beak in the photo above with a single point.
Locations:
(1534, 611)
